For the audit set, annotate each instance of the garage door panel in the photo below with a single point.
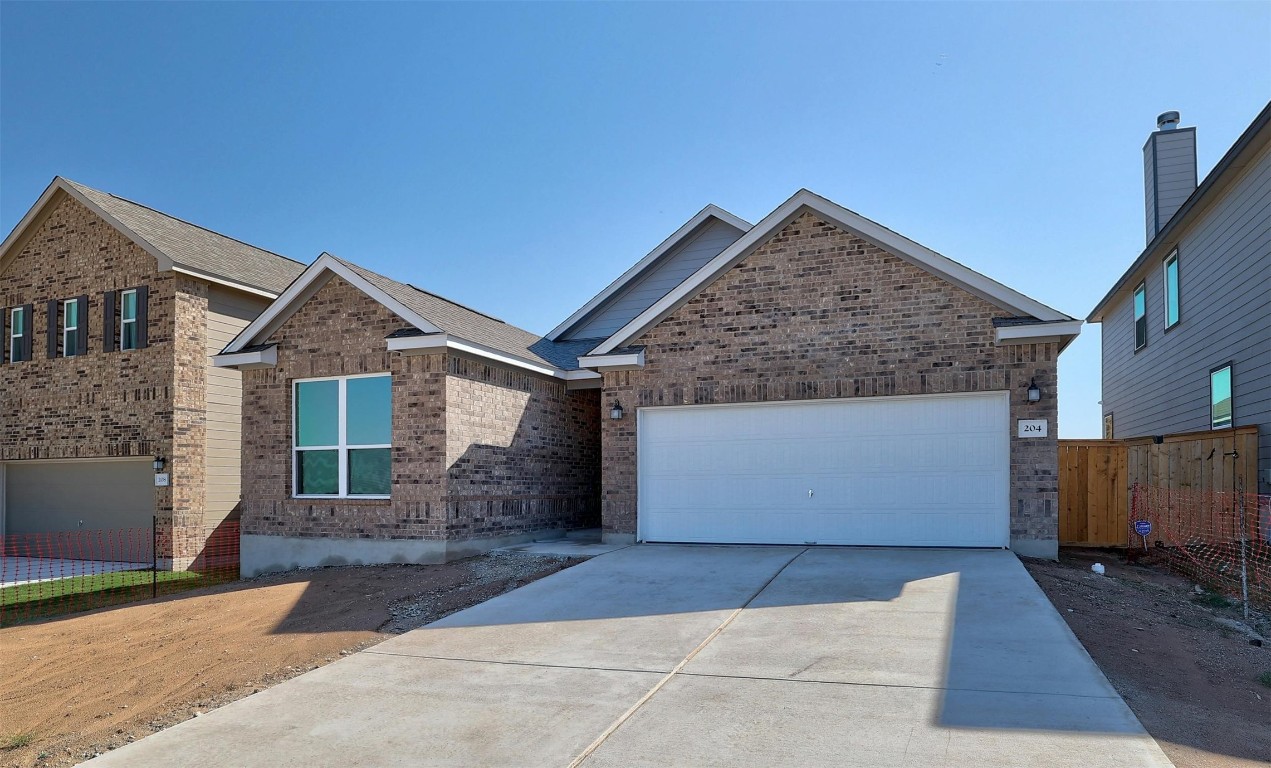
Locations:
(42, 497)
(927, 471)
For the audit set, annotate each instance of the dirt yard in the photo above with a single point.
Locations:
(1196, 683)
(78, 686)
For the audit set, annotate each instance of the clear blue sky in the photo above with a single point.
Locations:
(519, 157)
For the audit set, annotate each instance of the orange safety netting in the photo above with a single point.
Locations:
(1220, 539)
(54, 573)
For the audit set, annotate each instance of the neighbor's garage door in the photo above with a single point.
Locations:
(78, 495)
(895, 471)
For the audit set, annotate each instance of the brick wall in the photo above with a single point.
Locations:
(818, 313)
(478, 450)
(101, 404)
(523, 452)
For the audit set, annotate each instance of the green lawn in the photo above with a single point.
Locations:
(24, 602)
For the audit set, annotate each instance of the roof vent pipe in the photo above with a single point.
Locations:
(1167, 121)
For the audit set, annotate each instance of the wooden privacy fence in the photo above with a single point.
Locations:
(1095, 477)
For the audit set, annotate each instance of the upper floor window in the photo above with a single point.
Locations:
(128, 319)
(342, 431)
(1220, 400)
(1171, 290)
(124, 318)
(19, 341)
(70, 328)
(1140, 316)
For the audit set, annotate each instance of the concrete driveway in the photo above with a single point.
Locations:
(694, 656)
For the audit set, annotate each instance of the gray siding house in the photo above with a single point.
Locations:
(1187, 328)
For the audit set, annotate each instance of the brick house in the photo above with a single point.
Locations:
(109, 311)
(812, 378)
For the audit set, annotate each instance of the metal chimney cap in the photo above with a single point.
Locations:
(1168, 121)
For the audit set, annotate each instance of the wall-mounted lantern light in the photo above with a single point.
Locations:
(1034, 392)
(159, 462)
(615, 410)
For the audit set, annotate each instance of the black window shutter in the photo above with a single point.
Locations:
(108, 321)
(53, 324)
(81, 333)
(5, 338)
(143, 316)
(28, 319)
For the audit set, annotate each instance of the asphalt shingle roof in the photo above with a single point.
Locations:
(470, 325)
(196, 248)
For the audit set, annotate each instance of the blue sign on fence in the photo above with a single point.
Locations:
(1142, 527)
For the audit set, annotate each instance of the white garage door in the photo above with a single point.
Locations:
(886, 471)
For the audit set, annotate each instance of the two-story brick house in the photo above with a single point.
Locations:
(109, 311)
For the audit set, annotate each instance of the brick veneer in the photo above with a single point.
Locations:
(116, 404)
(479, 451)
(816, 313)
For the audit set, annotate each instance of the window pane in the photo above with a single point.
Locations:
(1171, 293)
(19, 322)
(1140, 303)
(370, 471)
(128, 336)
(72, 314)
(128, 307)
(318, 472)
(317, 413)
(369, 411)
(1220, 397)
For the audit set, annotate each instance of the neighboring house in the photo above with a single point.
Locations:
(813, 378)
(1187, 328)
(109, 311)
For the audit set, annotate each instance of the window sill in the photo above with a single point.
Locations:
(375, 500)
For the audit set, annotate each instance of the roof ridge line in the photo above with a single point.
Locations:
(187, 223)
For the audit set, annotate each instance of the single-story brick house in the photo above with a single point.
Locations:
(812, 378)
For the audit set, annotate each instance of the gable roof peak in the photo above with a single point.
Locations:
(174, 243)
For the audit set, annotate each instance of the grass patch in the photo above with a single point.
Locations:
(25, 602)
(17, 740)
(1212, 600)
(1265, 678)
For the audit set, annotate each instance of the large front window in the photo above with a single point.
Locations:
(343, 434)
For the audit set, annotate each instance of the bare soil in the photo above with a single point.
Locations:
(78, 686)
(1184, 660)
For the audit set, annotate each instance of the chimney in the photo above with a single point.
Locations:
(1169, 171)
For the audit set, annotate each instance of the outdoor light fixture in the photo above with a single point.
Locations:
(1034, 393)
(615, 410)
(159, 461)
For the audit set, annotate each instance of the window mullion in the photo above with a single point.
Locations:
(342, 464)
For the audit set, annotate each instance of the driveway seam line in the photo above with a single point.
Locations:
(625, 716)
(514, 663)
(893, 685)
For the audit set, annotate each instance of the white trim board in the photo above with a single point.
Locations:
(688, 229)
(980, 285)
(313, 278)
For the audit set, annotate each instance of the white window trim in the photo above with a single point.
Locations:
(1172, 258)
(341, 449)
(68, 329)
(124, 322)
(15, 337)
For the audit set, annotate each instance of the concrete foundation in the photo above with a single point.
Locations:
(271, 554)
(1047, 549)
